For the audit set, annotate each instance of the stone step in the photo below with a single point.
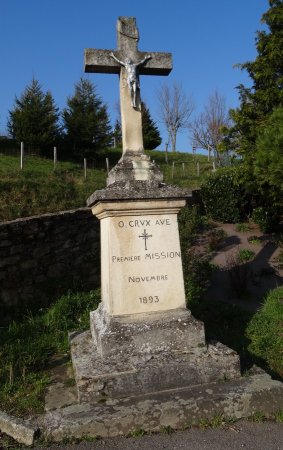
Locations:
(129, 375)
(178, 409)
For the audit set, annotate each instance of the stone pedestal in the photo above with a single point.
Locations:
(142, 339)
(141, 262)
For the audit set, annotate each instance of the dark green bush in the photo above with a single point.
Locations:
(196, 268)
(265, 217)
(197, 275)
(191, 222)
(265, 331)
(224, 196)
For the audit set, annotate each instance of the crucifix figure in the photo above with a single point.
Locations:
(132, 75)
(129, 63)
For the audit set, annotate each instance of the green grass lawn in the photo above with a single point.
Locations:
(27, 346)
(39, 189)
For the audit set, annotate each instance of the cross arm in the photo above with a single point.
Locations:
(159, 64)
(101, 61)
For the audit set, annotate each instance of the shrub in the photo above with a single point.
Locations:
(191, 222)
(245, 255)
(256, 240)
(215, 238)
(197, 269)
(265, 217)
(224, 195)
(197, 274)
(265, 331)
(242, 227)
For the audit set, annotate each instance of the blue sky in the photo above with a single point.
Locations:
(46, 40)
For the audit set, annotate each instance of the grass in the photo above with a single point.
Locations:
(242, 227)
(39, 189)
(216, 421)
(255, 240)
(137, 433)
(245, 255)
(258, 417)
(265, 332)
(27, 347)
(279, 416)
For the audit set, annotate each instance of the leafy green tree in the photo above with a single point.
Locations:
(151, 135)
(86, 120)
(269, 155)
(266, 73)
(34, 119)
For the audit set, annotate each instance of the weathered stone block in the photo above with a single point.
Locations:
(17, 428)
(173, 330)
(234, 399)
(133, 374)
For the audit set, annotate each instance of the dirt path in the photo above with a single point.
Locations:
(262, 273)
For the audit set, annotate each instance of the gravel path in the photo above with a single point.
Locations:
(242, 435)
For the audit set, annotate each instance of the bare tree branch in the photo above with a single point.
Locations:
(207, 128)
(175, 109)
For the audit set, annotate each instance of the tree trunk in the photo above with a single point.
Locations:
(173, 141)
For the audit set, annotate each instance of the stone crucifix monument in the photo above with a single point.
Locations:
(143, 339)
(145, 361)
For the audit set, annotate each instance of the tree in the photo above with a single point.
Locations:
(266, 71)
(86, 120)
(117, 134)
(175, 109)
(210, 127)
(151, 135)
(34, 118)
(269, 155)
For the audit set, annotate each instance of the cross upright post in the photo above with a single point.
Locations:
(129, 63)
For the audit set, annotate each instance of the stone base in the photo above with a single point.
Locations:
(134, 166)
(177, 409)
(123, 374)
(174, 330)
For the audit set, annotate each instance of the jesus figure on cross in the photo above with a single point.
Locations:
(129, 63)
(132, 75)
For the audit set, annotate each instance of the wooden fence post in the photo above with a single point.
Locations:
(22, 155)
(173, 166)
(55, 157)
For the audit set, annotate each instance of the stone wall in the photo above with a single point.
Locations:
(42, 257)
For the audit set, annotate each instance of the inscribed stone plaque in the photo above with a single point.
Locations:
(141, 263)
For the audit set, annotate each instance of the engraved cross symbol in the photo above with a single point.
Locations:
(145, 236)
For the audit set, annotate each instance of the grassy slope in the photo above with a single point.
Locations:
(39, 189)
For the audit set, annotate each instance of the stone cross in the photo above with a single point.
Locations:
(109, 61)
